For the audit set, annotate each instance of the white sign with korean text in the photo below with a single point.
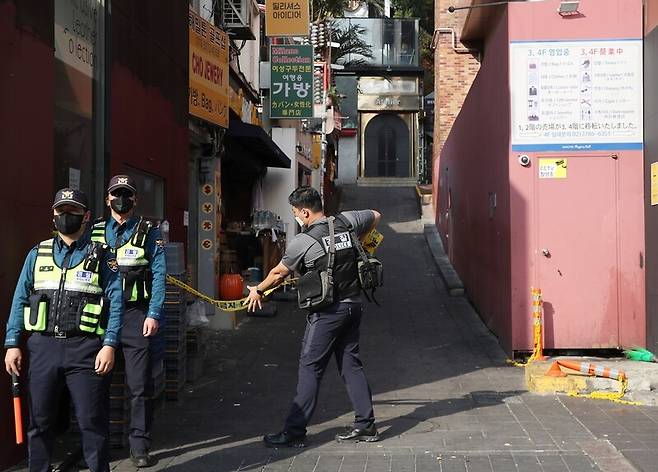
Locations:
(576, 95)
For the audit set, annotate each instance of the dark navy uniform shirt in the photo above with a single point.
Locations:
(110, 281)
(154, 253)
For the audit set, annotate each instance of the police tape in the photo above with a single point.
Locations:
(226, 305)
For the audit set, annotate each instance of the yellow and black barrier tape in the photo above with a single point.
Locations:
(226, 305)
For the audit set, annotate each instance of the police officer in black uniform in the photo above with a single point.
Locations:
(69, 298)
(332, 331)
(139, 250)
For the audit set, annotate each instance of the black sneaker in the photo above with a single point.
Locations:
(143, 459)
(284, 439)
(368, 434)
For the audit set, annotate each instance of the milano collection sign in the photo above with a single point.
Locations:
(291, 81)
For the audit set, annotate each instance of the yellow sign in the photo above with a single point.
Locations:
(208, 63)
(654, 183)
(286, 18)
(372, 240)
(552, 168)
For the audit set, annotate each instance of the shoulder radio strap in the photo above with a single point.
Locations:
(355, 240)
(332, 247)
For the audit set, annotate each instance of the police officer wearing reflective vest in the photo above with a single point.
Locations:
(332, 331)
(139, 250)
(69, 299)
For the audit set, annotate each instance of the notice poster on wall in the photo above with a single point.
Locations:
(576, 95)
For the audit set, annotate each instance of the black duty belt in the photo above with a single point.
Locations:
(66, 334)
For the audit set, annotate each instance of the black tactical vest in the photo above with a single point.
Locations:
(346, 277)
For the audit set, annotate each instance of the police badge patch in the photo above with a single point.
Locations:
(113, 265)
(160, 243)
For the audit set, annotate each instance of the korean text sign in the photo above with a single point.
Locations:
(287, 18)
(291, 81)
(208, 83)
(576, 95)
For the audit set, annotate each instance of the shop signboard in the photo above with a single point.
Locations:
(208, 63)
(291, 89)
(576, 95)
(287, 18)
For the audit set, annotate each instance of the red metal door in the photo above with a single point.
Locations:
(577, 250)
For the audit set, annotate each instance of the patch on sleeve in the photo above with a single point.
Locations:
(113, 265)
(160, 243)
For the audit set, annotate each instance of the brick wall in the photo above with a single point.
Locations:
(454, 72)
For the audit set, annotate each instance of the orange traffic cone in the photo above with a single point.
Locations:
(555, 370)
(585, 368)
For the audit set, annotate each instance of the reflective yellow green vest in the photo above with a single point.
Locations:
(65, 300)
(131, 257)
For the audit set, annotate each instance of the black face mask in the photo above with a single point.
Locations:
(68, 223)
(122, 204)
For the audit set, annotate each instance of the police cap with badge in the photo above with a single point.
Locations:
(70, 196)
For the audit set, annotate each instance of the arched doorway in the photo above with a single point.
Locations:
(387, 147)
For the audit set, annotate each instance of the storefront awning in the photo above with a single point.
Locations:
(256, 141)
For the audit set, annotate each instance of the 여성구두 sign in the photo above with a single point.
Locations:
(291, 86)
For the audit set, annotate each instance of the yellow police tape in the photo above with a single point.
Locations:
(610, 396)
(226, 305)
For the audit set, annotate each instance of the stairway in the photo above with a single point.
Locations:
(387, 181)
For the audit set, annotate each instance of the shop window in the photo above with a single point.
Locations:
(78, 105)
(150, 193)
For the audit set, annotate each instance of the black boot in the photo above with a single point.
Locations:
(368, 434)
(284, 439)
(142, 459)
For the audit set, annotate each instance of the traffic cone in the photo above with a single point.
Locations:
(586, 368)
(555, 370)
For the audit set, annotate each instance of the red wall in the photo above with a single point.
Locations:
(497, 254)
(600, 19)
(149, 98)
(26, 146)
(470, 170)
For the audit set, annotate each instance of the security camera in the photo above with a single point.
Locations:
(524, 160)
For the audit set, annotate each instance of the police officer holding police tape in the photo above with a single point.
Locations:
(69, 298)
(332, 330)
(140, 254)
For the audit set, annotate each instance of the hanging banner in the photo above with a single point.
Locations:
(291, 81)
(287, 18)
(208, 84)
(576, 95)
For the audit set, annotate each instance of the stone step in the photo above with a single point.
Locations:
(387, 181)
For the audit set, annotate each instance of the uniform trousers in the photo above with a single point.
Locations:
(55, 363)
(137, 354)
(333, 331)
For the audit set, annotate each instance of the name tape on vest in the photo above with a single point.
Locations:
(83, 276)
(131, 253)
(341, 241)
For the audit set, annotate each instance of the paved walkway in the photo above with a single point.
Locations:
(445, 399)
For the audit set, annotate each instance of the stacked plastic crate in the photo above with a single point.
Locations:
(119, 404)
(175, 325)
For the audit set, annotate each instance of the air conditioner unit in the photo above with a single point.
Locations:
(237, 19)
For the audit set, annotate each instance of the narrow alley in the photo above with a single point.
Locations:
(445, 398)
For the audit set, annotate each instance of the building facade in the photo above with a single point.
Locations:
(540, 182)
(102, 94)
(380, 86)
